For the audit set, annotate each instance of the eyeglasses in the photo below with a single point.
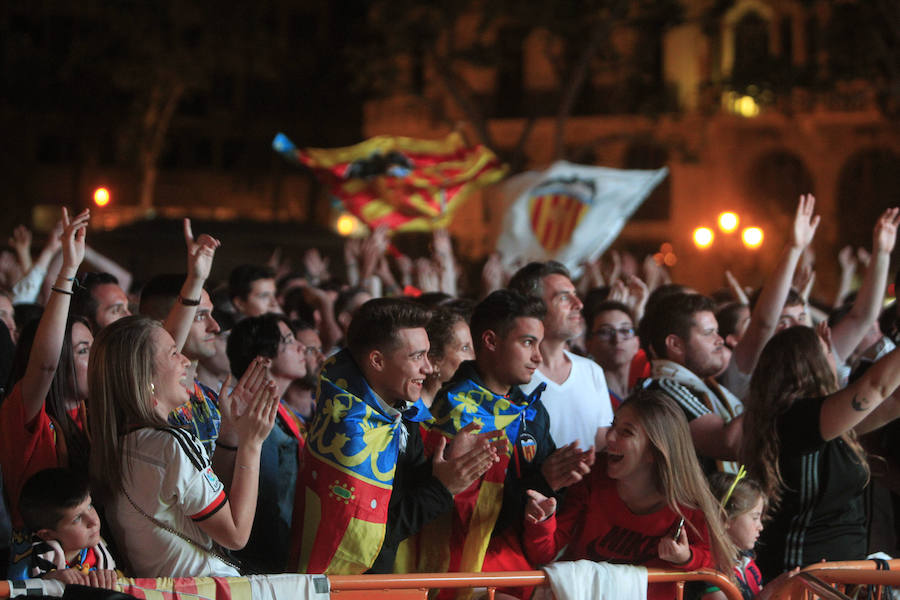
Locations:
(608, 334)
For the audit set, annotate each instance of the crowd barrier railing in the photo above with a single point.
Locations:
(839, 580)
(343, 587)
(417, 585)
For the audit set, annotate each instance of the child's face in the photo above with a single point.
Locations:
(78, 528)
(744, 529)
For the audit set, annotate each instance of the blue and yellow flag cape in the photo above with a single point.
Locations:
(348, 473)
(459, 542)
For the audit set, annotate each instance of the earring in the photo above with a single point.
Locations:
(152, 389)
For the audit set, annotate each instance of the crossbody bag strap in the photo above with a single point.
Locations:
(211, 551)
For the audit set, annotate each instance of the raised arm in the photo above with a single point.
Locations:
(847, 408)
(200, 254)
(850, 331)
(764, 318)
(847, 262)
(50, 334)
(20, 241)
(105, 264)
(28, 289)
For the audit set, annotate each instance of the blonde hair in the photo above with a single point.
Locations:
(677, 472)
(120, 373)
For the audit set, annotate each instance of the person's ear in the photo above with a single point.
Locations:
(376, 360)
(674, 347)
(490, 340)
(46, 534)
(239, 304)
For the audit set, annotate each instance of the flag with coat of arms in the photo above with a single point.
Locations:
(570, 213)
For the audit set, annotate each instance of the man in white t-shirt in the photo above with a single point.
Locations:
(576, 397)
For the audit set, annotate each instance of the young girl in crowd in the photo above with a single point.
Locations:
(630, 508)
(744, 502)
(800, 445)
(166, 507)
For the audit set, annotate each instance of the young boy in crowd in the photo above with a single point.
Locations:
(56, 507)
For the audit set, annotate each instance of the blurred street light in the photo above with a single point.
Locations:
(752, 237)
(728, 221)
(703, 237)
(101, 196)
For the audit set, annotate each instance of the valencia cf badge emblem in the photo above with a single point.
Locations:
(527, 446)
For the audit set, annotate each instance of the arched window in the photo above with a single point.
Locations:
(775, 181)
(751, 47)
(869, 183)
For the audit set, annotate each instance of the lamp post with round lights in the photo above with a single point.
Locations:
(730, 242)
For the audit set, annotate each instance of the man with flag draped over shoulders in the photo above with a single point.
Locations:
(482, 533)
(366, 484)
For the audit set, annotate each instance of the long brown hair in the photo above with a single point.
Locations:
(120, 373)
(792, 366)
(678, 475)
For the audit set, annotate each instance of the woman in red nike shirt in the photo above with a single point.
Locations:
(629, 507)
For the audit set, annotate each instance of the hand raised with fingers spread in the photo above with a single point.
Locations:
(885, 234)
(20, 240)
(567, 465)
(805, 224)
(539, 507)
(200, 252)
(459, 472)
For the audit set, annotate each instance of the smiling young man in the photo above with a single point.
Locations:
(368, 485)
(507, 329)
(686, 350)
(576, 396)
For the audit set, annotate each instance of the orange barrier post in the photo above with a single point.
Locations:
(808, 583)
(416, 585)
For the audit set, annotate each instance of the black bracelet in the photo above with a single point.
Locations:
(62, 291)
(188, 301)
(226, 446)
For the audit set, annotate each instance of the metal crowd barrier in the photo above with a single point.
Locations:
(416, 585)
(856, 579)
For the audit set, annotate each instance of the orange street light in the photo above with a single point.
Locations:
(703, 237)
(346, 223)
(752, 237)
(728, 221)
(101, 196)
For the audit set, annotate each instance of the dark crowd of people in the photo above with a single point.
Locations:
(384, 419)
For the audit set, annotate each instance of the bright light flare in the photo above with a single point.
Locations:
(703, 237)
(728, 221)
(101, 196)
(752, 237)
(346, 224)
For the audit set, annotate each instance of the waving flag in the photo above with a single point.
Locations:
(404, 183)
(570, 212)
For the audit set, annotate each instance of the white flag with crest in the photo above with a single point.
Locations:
(570, 213)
